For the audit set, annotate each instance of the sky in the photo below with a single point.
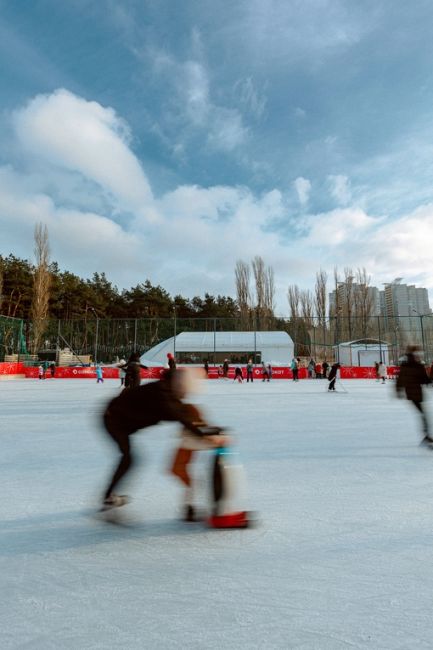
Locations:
(166, 140)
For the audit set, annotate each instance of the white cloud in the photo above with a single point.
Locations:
(71, 133)
(340, 189)
(193, 109)
(250, 97)
(303, 189)
(199, 233)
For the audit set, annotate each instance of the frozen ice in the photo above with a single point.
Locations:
(340, 557)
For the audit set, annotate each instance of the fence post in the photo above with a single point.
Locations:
(380, 340)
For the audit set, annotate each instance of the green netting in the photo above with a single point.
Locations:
(12, 339)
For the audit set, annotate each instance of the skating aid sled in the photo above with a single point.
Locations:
(228, 491)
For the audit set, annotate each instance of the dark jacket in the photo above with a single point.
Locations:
(144, 406)
(333, 371)
(411, 377)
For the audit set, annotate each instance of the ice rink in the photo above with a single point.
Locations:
(341, 559)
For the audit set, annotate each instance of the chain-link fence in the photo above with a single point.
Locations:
(107, 340)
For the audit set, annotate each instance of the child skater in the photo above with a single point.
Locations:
(190, 444)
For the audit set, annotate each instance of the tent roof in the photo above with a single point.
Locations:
(365, 342)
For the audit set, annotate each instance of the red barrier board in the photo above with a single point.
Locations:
(88, 372)
(14, 368)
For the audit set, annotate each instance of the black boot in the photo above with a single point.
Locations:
(190, 515)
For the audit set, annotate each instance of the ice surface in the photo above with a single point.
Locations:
(341, 558)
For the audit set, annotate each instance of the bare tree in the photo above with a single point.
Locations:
(259, 278)
(363, 302)
(41, 285)
(320, 304)
(269, 296)
(243, 292)
(293, 297)
(320, 298)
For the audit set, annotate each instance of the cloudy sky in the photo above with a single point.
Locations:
(166, 140)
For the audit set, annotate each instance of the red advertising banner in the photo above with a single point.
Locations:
(110, 372)
(15, 368)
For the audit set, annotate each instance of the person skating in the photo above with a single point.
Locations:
(269, 372)
(144, 406)
(250, 368)
(294, 369)
(410, 379)
(171, 361)
(238, 375)
(381, 371)
(133, 371)
(325, 366)
(99, 374)
(122, 372)
(189, 445)
(332, 377)
(264, 372)
(41, 372)
(311, 368)
(226, 368)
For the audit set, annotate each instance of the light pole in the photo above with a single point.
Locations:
(422, 329)
(96, 334)
(174, 337)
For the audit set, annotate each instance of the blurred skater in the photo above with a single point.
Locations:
(133, 371)
(41, 372)
(265, 372)
(238, 375)
(332, 377)
(122, 372)
(381, 371)
(411, 377)
(145, 406)
(269, 372)
(250, 368)
(325, 366)
(226, 368)
(189, 445)
(171, 361)
(294, 369)
(99, 374)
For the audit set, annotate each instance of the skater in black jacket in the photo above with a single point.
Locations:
(144, 406)
(411, 377)
(132, 371)
(332, 377)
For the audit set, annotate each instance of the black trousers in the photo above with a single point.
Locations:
(122, 440)
(332, 384)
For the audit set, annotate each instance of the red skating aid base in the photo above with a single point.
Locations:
(233, 520)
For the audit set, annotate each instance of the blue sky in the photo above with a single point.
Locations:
(166, 140)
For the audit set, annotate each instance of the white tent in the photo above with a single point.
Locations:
(195, 347)
(363, 352)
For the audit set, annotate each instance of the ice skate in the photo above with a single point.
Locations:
(427, 442)
(190, 515)
(114, 501)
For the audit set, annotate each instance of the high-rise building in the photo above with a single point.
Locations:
(405, 303)
(405, 300)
